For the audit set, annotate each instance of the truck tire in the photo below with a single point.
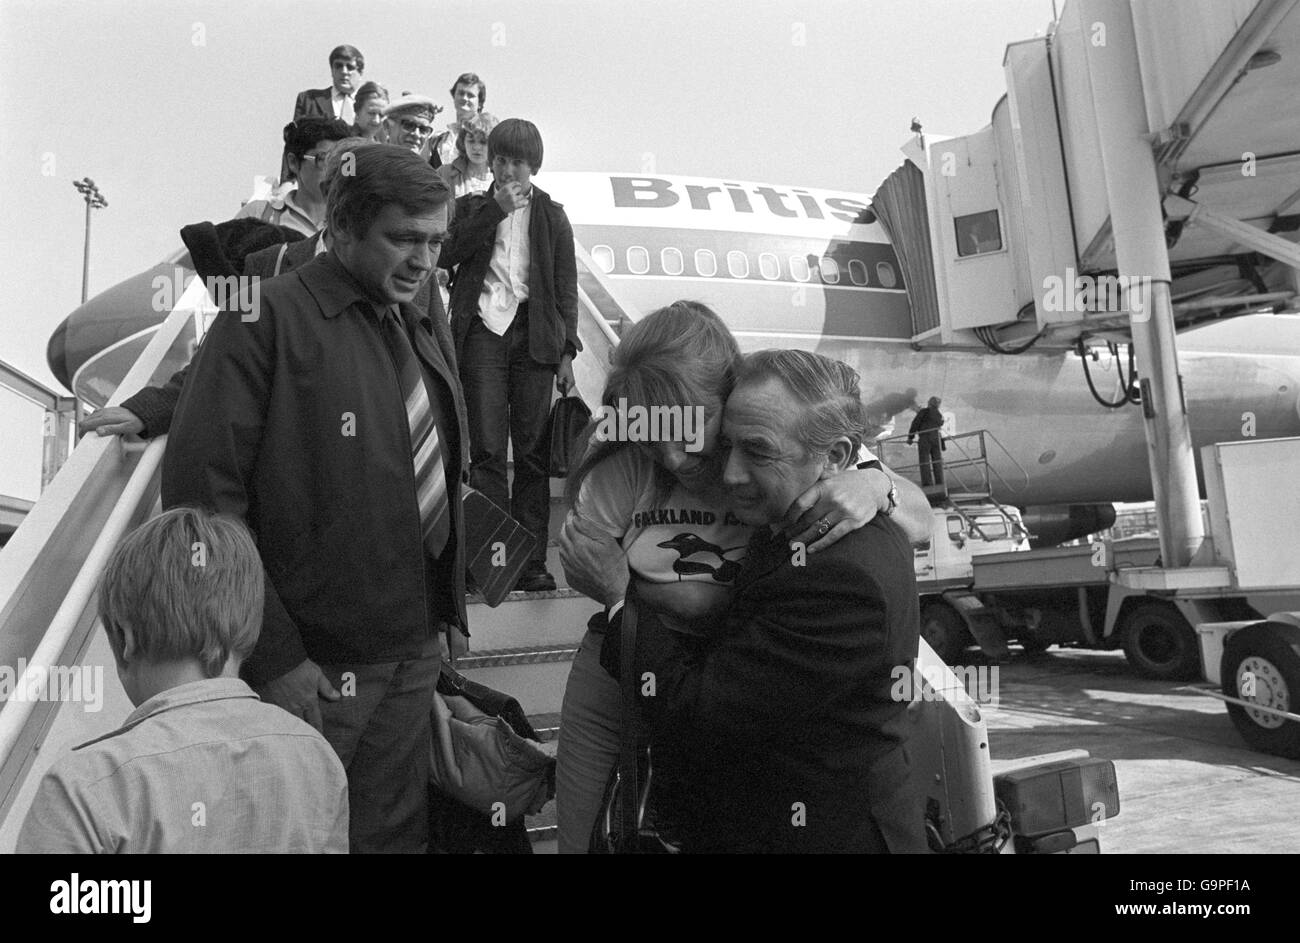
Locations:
(945, 631)
(1033, 645)
(1159, 643)
(1267, 654)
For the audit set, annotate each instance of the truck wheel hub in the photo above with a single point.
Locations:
(1269, 690)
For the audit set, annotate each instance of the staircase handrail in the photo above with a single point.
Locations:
(51, 566)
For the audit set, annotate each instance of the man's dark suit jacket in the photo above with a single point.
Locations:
(156, 405)
(788, 716)
(295, 422)
(552, 272)
(314, 103)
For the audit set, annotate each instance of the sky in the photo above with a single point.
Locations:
(173, 106)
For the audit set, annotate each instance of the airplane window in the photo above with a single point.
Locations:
(830, 270)
(738, 264)
(638, 260)
(768, 266)
(885, 272)
(671, 259)
(858, 271)
(977, 233)
(799, 270)
(705, 263)
(604, 257)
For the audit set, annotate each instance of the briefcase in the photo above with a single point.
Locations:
(497, 547)
(569, 418)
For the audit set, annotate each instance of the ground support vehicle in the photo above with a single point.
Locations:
(981, 583)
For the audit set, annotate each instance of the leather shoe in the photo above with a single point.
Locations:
(536, 579)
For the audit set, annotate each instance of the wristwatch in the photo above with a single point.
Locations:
(892, 494)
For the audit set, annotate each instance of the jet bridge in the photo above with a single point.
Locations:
(1007, 237)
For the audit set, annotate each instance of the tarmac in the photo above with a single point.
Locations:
(1188, 783)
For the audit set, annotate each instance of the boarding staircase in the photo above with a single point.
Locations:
(108, 486)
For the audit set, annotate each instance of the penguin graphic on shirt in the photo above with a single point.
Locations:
(690, 545)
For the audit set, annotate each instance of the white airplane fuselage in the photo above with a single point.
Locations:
(799, 267)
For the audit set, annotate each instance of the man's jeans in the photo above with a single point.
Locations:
(381, 730)
(508, 399)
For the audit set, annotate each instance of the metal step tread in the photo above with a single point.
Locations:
(547, 726)
(541, 827)
(472, 599)
(541, 833)
(526, 655)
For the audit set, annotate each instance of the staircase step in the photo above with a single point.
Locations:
(538, 834)
(541, 827)
(527, 620)
(503, 657)
(546, 726)
(535, 678)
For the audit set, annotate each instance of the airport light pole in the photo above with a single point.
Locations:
(94, 200)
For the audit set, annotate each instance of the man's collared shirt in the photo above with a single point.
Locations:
(505, 285)
(282, 210)
(447, 143)
(342, 105)
(204, 767)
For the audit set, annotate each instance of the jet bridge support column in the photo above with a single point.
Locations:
(1133, 194)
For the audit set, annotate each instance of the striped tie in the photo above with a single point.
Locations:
(422, 414)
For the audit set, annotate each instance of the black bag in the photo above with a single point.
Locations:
(569, 418)
(456, 828)
(493, 570)
(625, 824)
(484, 752)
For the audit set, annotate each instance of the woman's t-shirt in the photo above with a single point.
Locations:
(685, 550)
(668, 537)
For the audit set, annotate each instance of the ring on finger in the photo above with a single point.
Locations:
(823, 526)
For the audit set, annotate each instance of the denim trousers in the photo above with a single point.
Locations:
(508, 400)
(381, 730)
(589, 743)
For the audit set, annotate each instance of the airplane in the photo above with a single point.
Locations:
(814, 269)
